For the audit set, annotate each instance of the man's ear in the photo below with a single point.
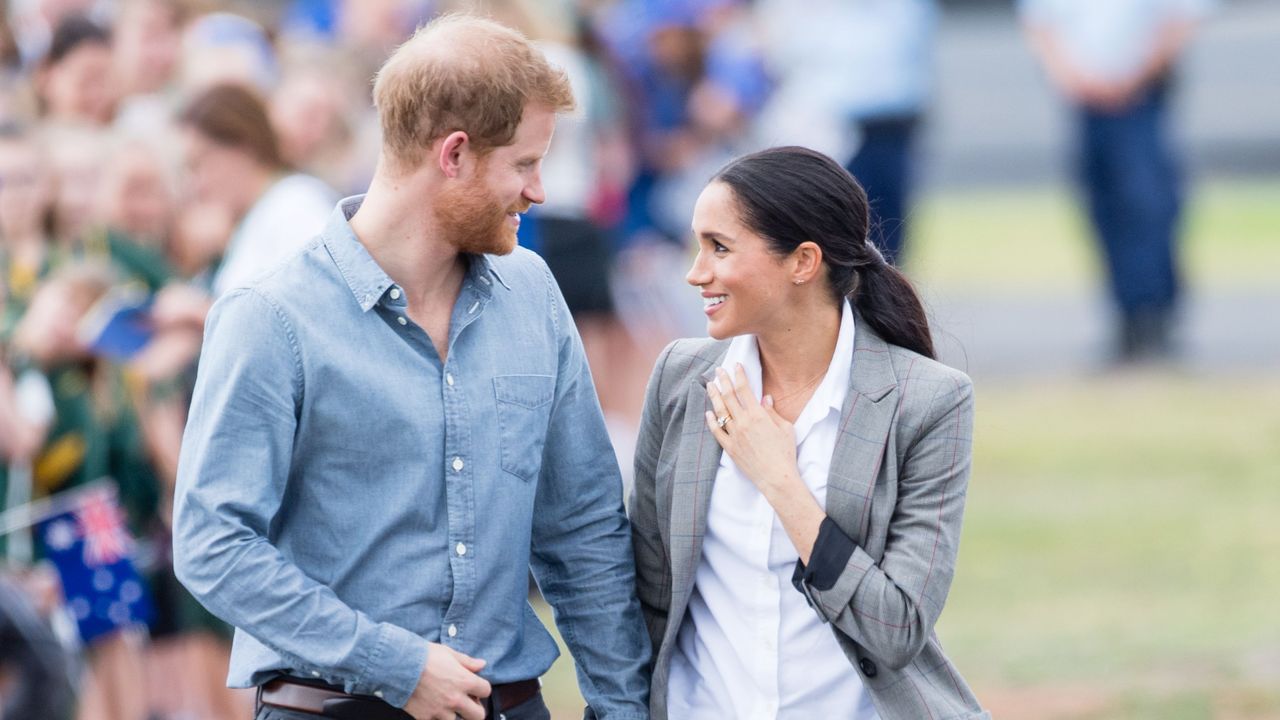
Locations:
(452, 152)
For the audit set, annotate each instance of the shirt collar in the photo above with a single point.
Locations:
(830, 393)
(835, 386)
(365, 278)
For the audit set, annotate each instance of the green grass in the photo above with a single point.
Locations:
(1121, 552)
(1121, 534)
(1038, 239)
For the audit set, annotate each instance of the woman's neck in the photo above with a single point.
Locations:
(796, 354)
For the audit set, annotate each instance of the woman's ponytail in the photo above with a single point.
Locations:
(885, 300)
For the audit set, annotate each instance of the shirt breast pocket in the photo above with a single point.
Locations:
(524, 409)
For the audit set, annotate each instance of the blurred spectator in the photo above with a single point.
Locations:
(854, 80)
(1114, 61)
(693, 78)
(225, 48)
(148, 38)
(311, 113)
(10, 55)
(147, 48)
(369, 30)
(73, 83)
(77, 155)
(92, 435)
(34, 23)
(234, 160)
(35, 673)
(138, 196)
(26, 206)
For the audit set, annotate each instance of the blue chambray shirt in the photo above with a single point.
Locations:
(344, 497)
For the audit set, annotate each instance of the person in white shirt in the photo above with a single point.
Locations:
(800, 475)
(234, 160)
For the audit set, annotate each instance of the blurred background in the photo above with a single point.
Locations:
(1086, 193)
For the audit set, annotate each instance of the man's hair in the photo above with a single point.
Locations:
(232, 114)
(461, 72)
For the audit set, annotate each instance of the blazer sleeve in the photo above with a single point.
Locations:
(889, 608)
(653, 566)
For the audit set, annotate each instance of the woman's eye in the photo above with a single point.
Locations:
(718, 247)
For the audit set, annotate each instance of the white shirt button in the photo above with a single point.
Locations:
(457, 464)
(395, 293)
(377, 693)
(473, 307)
(448, 377)
(462, 549)
(402, 321)
(315, 673)
(484, 280)
(453, 631)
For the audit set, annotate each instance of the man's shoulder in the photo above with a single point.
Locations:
(301, 280)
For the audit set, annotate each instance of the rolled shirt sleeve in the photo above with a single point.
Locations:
(830, 555)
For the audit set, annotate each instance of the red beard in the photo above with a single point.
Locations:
(474, 221)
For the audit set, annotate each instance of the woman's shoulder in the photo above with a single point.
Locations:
(909, 365)
(687, 359)
(928, 389)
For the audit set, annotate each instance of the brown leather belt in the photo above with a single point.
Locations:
(289, 695)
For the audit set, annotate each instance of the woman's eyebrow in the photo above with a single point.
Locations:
(713, 235)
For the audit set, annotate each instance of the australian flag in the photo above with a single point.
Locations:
(93, 553)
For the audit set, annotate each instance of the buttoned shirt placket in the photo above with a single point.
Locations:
(473, 297)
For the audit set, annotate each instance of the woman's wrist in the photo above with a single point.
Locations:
(797, 509)
(781, 485)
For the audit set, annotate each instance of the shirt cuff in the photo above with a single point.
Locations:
(830, 555)
(396, 666)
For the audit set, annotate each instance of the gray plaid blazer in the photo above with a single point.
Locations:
(897, 488)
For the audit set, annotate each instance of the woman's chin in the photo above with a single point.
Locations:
(717, 331)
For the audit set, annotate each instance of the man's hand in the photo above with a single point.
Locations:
(449, 687)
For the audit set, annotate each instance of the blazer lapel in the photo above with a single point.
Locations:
(865, 421)
(691, 495)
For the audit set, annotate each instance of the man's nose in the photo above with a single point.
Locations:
(533, 192)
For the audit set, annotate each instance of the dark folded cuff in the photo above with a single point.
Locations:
(831, 552)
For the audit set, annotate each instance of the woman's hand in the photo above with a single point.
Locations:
(763, 446)
(760, 441)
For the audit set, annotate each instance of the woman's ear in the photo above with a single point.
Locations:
(808, 262)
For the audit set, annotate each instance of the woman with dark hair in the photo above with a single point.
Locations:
(73, 80)
(800, 475)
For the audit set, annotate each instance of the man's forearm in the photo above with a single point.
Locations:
(245, 581)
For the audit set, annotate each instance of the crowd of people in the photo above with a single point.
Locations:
(163, 152)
